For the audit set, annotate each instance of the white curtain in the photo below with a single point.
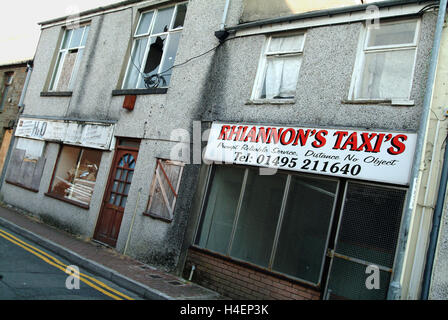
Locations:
(282, 73)
(281, 77)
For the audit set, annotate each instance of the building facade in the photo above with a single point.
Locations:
(13, 77)
(270, 159)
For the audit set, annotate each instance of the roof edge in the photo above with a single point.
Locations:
(327, 12)
(92, 11)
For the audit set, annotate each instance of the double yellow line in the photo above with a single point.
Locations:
(90, 281)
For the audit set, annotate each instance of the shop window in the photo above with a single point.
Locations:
(69, 59)
(156, 40)
(27, 164)
(75, 175)
(279, 68)
(385, 66)
(164, 189)
(7, 83)
(258, 218)
(219, 215)
(280, 222)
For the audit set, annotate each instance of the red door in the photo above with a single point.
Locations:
(114, 203)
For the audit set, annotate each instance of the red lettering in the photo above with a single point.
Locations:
(379, 142)
(367, 142)
(252, 135)
(320, 139)
(340, 134)
(302, 137)
(291, 137)
(275, 133)
(398, 146)
(224, 131)
(243, 133)
(352, 141)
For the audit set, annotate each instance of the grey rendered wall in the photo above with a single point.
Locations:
(324, 82)
(153, 120)
(439, 281)
(71, 218)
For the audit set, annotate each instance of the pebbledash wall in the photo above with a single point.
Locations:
(213, 83)
(97, 98)
(331, 48)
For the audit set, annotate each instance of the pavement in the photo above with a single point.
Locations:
(126, 272)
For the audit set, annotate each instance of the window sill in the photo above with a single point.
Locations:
(22, 186)
(72, 202)
(270, 101)
(157, 217)
(127, 92)
(56, 94)
(389, 102)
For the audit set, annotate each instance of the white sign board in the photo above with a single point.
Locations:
(355, 154)
(90, 135)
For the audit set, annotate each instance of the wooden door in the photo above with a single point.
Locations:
(114, 203)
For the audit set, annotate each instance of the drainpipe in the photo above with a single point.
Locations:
(21, 107)
(427, 275)
(25, 86)
(222, 34)
(394, 292)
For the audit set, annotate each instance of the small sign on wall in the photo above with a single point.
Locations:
(91, 135)
(356, 154)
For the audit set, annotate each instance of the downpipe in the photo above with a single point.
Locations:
(394, 292)
(434, 236)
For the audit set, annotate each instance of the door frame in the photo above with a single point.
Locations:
(110, 178)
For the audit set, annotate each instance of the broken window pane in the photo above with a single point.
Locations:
(163, 20)
(147, 66)
(153, 61)
(76, 174)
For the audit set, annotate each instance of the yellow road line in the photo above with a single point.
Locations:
(58, 264)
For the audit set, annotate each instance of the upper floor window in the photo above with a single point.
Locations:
(279, 68)
(69, 59)
(385, 65)
(7, 82)
(154, 49)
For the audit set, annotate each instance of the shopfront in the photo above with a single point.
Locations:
(318, 209)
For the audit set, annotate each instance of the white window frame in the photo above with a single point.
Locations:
(262, 66)
(56, 74)
(364, 49)
(148, 35)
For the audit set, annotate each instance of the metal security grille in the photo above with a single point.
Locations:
(367, 235)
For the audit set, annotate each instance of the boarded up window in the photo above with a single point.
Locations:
(27, 164)
(69, 59)
(164, 189)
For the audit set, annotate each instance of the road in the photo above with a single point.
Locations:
(29, 272)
